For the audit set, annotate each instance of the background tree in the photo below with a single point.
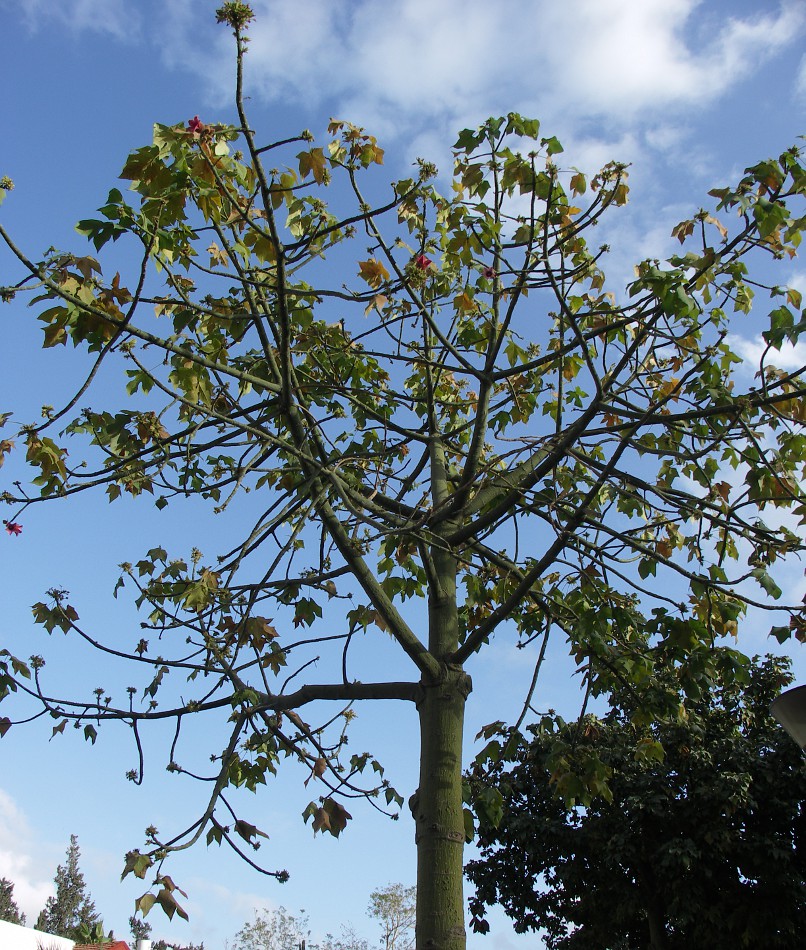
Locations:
(8, 906)
(140, 929)
(273, 930)
(280, 930)
(71, 906)
(171, 945)
(450, 430)
(348, 939)
(701, 841)
(395, 908)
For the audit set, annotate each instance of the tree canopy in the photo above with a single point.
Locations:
(395, 908)
(281, 930)
(8, 906)
(71, 908)
(700, 842)
(441, 423)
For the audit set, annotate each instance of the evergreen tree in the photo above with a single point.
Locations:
(163, 945)
(71, 906)
(8, 906)
(141, 929)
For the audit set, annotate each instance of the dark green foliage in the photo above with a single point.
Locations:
(702, 845)
(140, 929)
(71, 907)
(163, 945)
(8, 906)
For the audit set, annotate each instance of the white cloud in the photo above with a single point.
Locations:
(788, 358)
(416, 63)
(119, 18)
(16, 861)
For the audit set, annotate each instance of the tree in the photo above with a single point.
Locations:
(273, 930)
(395, 906)
(280, 930)
(169, 945)
(71, 908)
(8, 906)
(701, 841)
(348, 939)
(140, 929)
(465, 416)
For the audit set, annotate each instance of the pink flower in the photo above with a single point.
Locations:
(195, 125)
(488, 272)
(12, 527)
(423, 262)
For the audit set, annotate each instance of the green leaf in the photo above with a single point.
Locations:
(767, 583)
(647, 567)
(59, 730)
(144, 904)
(781, 634)
(469, 140)
(137, 864)
(470, 826)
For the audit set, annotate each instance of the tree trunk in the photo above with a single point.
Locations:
(437, 810)
(657, 929)
(654, 907)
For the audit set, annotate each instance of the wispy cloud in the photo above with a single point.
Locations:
(800, 79)
(119, 18)
(16, 861)
(788, 357)
(416, 62)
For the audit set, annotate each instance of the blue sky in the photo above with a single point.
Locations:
(688, 92)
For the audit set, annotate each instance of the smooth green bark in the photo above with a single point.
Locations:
(437, 810)
(437, 805)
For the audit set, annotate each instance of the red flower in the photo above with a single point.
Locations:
(423, 262)
(488, 272)
(195, 125)
(12, 527)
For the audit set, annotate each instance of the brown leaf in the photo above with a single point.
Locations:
(337, 816)
(318, 770)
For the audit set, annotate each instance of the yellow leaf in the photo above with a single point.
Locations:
(669, 388)
(314, 163)
(373, 272)
(578, 184)
(465, 303)
(217, 255)
(378, 302)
